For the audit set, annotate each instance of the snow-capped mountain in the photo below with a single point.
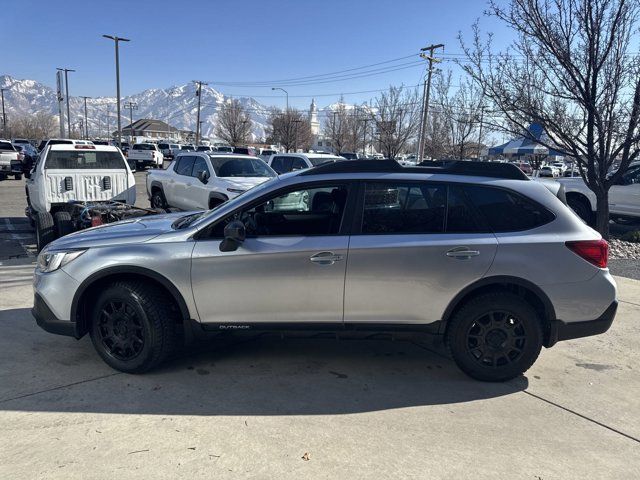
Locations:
(175, 105)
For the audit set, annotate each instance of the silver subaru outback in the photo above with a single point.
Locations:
(493, 262)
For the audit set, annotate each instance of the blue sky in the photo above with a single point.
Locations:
(233, 41)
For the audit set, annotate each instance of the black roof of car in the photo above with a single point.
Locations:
(449, 167)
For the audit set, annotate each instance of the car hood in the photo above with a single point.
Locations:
(244, 183)
(135, 230)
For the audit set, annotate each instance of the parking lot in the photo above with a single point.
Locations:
(272, 407)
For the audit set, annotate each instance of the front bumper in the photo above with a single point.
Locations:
(568, 330)
(47, 320)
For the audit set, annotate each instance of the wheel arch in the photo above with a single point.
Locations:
(581, 197)
(529, 291)
(156, 184)
(217, 196)
(90, 287)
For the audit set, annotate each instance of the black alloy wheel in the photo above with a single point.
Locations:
(120, 330)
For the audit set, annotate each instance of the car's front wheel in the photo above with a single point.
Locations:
(158, 200)
(495, 337)
(132, 326)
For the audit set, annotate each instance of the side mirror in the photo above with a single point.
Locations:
(234, 235)
(203, 176)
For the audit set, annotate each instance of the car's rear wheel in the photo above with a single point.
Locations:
(18, 176)
(495, 337)
(63, 223)
(581, 208)
(132, 327)
(158, 200)
(45, 230)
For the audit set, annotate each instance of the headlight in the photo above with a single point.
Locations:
(50, 261)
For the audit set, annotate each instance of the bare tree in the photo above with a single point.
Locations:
(234, 123)
(289, 128)
(336, 126)
(36, 126)
(355, 129)
(461, 112)
(573, 71)
(396, 116)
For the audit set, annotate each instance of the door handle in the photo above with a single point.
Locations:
(462, 253)
(326, 258)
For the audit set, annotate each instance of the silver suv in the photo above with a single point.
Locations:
(476, 253)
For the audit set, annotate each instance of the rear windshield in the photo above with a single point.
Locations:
(144, 146)
(60, 142)
(7, 146)
(240, 167)
(83, 159)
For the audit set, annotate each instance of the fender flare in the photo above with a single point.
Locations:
(550, 312)
(124, 270)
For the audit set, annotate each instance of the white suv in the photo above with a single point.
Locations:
(288, 162)
(202, 180)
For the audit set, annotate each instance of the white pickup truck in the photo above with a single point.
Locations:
(202, 180)
(624, 197)
(146, 155)
(10, 161)
(66, 174)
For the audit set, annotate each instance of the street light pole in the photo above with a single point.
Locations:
(66, 88)
(4, 115)
(199, 95)
(116, 41)
(285, 92)
(86, 121)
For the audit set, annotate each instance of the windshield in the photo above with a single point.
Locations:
(6, 146)
(240, 167)
(83, 159)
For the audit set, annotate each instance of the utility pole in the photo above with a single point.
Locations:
(109, 136)
(199, 95)
(4, 115)
(86, 121)
(116, 41)
(480, 130)
(364, 135)
(425, 99)
(66, 88)
(131, 106)
(295, 138)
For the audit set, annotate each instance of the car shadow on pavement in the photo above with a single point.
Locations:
(260, 375)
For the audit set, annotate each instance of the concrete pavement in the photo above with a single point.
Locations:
(358, 408)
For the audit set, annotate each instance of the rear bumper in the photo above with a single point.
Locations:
(47, 320)
(560, 330)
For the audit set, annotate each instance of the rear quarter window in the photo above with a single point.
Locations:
(507, 211)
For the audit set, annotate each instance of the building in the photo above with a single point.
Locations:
(149, 129)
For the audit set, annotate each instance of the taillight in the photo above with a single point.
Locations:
(595, 252)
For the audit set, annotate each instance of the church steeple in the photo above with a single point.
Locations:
(313, 118)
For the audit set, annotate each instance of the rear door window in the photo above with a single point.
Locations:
(403, 208)
(507, 211)
(298, 164)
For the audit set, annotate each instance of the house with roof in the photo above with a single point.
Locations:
(145, 129)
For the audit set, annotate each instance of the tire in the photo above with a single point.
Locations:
(158, 200)
(18, 176)
(581, 208)
(63, 223)
(45, 230)
(132, 327)
(495, 337)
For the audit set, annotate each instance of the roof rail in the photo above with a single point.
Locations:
(449, 167)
